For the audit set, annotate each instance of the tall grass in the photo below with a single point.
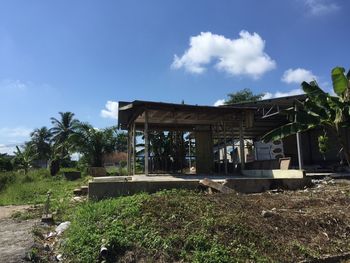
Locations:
(17, 188)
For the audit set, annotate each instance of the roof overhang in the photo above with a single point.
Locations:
(169, 116)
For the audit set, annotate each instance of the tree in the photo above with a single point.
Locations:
(24, 159)
(40, 139)
(122, 142)
(62, 130)
(243, 95)
(331, 113)
(5, 162)
(94, 143)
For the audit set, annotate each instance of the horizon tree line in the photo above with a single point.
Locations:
(54, 146)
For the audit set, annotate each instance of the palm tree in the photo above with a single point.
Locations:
(61, 131)
(40, 139)
(94, 143)
(331, 113)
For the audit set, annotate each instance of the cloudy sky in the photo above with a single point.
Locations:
(84, 56)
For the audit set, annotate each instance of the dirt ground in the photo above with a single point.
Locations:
(15, 236)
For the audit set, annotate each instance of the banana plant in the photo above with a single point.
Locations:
(320, 109)
(24, 158)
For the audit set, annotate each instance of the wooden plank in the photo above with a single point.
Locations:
(217, 186)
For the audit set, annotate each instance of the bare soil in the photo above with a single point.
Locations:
(308, 224)
(15, 236)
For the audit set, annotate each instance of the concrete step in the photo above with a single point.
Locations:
(84, 189)
(77, 192)
(81, 191)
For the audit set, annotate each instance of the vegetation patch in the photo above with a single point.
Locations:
(186, 226)
(32, 188)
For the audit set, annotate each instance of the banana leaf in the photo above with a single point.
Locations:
(314, 93)
(340, 82)
(315, 110)
(285, 131)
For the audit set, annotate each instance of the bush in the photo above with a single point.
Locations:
(6, 178)
(5, 163)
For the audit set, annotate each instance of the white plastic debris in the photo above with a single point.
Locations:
(51, 234)
(59, 257)
(62, 227)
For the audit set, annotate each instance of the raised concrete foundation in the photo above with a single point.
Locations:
(107, 187)
(274, 173)
(99, 190)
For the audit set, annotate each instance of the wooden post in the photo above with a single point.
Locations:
(225, 148)
(146, 142)
(134, 148)
(300, 152)
(218, 147)
(129, 153)
(189, 151)
(241, 142)
(233, 150)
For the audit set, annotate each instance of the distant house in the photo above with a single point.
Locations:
(115, 159)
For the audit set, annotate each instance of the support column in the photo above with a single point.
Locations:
(241, 142)
(299, 147)
(189, 152)
(146, 142)
(134, 148)
(225, 148)
(233, 151)
(129, 153)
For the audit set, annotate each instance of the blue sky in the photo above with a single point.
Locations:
(84, 56)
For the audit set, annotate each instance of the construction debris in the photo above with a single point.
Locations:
(216, 186)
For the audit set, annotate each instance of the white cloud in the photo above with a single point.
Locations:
(9, 149)
(111, 110)
(13, 85)
(219, 102)
(17, 132)
(297, 76)
(10, 137)
(279, 94)
(242, 56)
(321, 7)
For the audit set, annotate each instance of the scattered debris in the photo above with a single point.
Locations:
(268, 213)
(62, 227)
(51, 234)
(79, 199)
(217, 186)
(104, 249)
(59, 257)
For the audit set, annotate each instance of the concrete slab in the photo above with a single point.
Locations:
(274, 173)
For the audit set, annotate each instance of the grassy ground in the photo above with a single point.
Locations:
(185, 226)
(17, 189)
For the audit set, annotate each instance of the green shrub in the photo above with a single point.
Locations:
(6, 178)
